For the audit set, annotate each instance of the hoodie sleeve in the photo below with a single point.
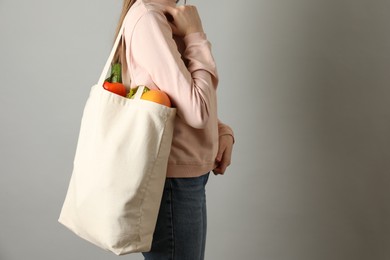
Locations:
(191, 86)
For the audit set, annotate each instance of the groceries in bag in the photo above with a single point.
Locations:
(114, 84)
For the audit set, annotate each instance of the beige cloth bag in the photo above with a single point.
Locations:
(119, 169)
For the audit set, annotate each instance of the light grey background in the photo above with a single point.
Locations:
(304, 84)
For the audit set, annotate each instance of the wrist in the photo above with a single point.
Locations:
(194, 30)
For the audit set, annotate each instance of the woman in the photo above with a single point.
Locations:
(167, 49)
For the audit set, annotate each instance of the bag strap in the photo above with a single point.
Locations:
(110, 58)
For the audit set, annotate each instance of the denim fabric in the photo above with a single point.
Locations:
(180, 232)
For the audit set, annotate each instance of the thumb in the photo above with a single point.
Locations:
(220, 154)
(169, 12)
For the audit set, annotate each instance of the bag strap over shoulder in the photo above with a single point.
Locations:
(110, 58)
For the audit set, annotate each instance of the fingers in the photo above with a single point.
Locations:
(224, 155)
(221, 150)
(174, 10)
(221, 168)
(169, 10)
(224, 162)
(183, 19)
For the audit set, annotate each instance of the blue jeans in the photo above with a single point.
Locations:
(180, 232)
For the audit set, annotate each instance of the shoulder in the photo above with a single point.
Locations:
(146, 11)
(145, 8)
(152, 6)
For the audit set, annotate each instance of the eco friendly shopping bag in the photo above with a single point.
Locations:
(119, 169)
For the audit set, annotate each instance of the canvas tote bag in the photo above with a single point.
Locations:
(119, 169)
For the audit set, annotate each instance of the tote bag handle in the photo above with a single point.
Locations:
(110, 58)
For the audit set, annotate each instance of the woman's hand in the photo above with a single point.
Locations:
(183, 19)
(224, 155)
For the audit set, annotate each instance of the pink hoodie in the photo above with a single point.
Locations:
(184, 68)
